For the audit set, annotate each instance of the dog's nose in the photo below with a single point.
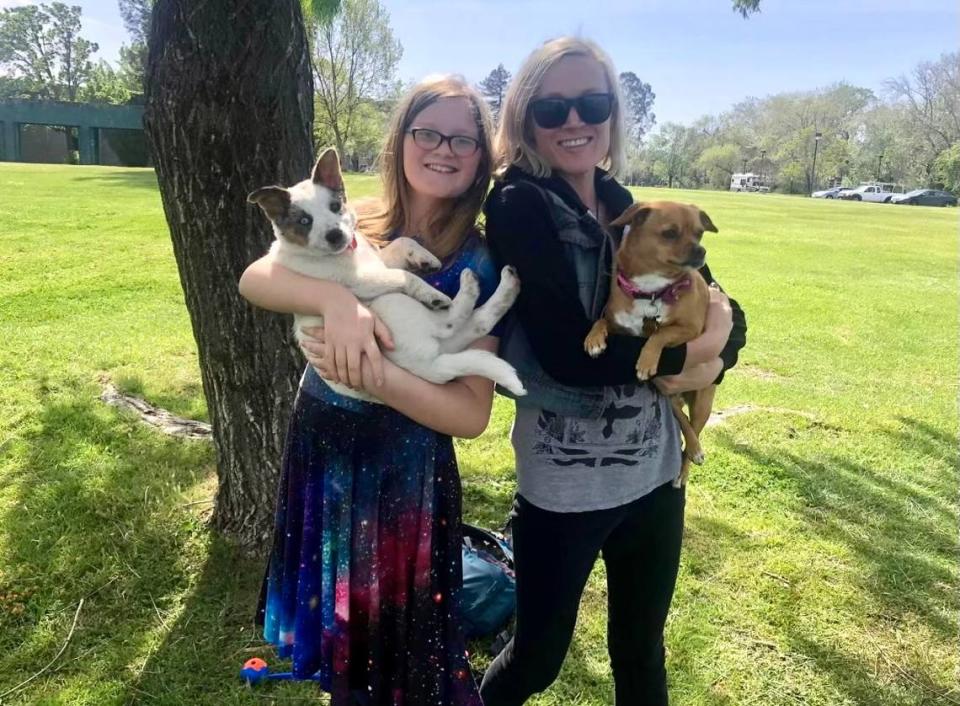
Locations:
(698, 253)
(335, 236)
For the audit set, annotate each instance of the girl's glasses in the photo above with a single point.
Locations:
(428, 139)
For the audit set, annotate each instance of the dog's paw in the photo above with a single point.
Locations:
(698, 457)
(469, 282)
(509, 274)
(647, 366)
(645, 373)
(420, 259)
(440, 303)
(594, 347)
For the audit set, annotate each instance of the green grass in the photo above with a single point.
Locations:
(820, 559)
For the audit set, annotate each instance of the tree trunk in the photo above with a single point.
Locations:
(229, 109)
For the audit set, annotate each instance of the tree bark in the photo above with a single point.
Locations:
(229, 109)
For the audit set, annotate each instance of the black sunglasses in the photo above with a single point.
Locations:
(460, 145)
(593, 109)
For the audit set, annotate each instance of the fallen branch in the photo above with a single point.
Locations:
(155, 416)
(66, 642)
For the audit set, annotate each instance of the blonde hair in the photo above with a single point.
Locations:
(456, 216)
(515, 144)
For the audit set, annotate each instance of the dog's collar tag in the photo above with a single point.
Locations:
(669, 294)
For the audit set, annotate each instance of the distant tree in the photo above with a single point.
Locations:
(947, 168)
(672, 154)
(133, 57)
(719, 163)
(104, 86)
(41, 46)
(931, 99)
(494, 87)
(639, 98)
(355, 57)
(746, 7)
(319, 11)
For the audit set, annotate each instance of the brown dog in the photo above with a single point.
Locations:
(658, 292)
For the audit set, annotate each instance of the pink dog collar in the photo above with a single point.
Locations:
(669, 294)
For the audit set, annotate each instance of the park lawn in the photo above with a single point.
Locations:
(820, 560)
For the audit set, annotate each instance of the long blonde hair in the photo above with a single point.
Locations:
(515, 144)
(457, 216)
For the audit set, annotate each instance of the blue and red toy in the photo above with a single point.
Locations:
(256, 670)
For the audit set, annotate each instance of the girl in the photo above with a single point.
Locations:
(365, 569)
(595, 451)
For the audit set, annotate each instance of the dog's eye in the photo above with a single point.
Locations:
(671, 234)
(335, 206)
(305, 220)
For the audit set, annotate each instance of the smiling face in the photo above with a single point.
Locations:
(438, 173)
(663, 238)
(575, 147)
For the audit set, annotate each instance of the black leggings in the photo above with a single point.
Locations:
(555, 553)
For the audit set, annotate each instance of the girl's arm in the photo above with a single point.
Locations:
(352, 330)
(460, 407)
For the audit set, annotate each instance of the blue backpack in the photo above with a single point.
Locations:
(488, 599)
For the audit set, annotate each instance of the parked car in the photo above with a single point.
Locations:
(926, 197)
(830, 193)
(878, 193)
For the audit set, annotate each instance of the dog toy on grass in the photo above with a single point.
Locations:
(256, 670)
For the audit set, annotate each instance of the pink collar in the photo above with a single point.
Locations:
(669, 294)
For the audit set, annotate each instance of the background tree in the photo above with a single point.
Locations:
(719, 163)
(355, 57)
(746, 7)
(229, 109)
(41, 47)
(105, 85)
(494, 88)
(133, 57)
(930, 99)
(639, 99)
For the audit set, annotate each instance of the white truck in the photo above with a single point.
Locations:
(877, 192)
(747, 181)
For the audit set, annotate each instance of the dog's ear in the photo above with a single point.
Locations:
(274, 200)
(706, 222)
(326, 171)
(635, 215)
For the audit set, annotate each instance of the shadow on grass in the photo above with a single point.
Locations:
(140, 179)
(94, 515)
(903, 533)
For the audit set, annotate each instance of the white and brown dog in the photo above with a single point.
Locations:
(316, 237)
(658, 292)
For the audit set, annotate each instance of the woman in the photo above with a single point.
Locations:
(595, 451)
(365, 569)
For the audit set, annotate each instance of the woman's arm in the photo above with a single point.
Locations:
(520, 234)
(458, 408)
(737, 338)
(352, 330)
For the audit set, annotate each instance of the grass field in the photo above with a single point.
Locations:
(821, 552)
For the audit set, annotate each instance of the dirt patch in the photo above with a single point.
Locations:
(722, 415)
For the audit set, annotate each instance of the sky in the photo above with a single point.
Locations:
(698, 55)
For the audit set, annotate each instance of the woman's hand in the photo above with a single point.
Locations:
(695, 378)
(349, 332)
(707, 346)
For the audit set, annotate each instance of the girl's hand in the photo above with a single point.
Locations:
(349, 332)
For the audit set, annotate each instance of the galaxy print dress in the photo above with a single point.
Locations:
(364, 574)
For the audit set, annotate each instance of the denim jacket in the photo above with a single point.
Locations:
(590, 248)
